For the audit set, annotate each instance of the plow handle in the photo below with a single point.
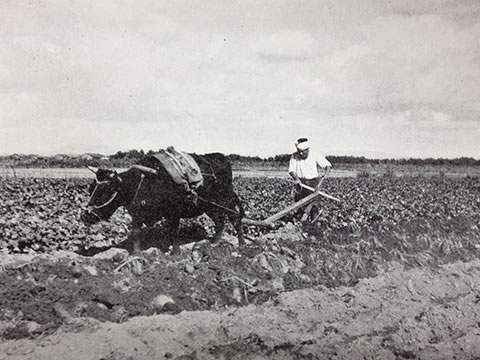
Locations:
(319, 192)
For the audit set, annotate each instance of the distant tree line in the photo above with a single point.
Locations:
(462, 161)
(127, 158)
(283, 160)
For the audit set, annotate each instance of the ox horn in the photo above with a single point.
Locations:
(92, 169)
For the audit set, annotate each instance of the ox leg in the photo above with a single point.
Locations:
(236, 219)
(138, 233)
(237, 225)
(133, 240)
(173, 231)
(135, 235)
(219, 221)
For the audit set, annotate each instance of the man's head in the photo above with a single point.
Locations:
(303, 147)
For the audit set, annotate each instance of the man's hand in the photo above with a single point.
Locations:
(295, 178)
(319, 183)
(325, 174)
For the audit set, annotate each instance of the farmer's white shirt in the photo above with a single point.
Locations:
(307, 169)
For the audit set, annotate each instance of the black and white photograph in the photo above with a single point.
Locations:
(239, 179)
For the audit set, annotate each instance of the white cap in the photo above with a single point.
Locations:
(303, 145)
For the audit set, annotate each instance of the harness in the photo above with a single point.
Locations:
(97, 207)
(144, 168)
(95, 190)
(219, 206)
(142, 177)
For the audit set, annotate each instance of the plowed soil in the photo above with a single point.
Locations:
(421, 313)
(387, 284)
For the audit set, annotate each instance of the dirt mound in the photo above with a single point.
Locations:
(50, 289)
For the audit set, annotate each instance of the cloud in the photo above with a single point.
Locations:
(404, 63)
(287, 45)
(420, 38)
(423, 119)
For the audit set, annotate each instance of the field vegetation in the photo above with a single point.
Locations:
(382, 221)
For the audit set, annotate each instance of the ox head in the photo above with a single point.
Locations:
(105, 194)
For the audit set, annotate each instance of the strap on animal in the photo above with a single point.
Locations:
(142, 176)
(106, 203)
(219, 206)
(98, 183)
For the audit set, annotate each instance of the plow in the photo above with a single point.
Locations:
(310, 205)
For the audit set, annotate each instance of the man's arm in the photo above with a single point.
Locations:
(327, 171)
(325, 166)
(291, 171)
(295, 177)
(325, 174)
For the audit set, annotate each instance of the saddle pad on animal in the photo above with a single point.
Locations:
(181, 167)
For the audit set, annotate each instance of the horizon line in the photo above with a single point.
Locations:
(393, 157)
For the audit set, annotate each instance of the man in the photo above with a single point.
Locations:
(304, 168)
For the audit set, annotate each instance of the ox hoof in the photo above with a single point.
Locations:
(175, 250)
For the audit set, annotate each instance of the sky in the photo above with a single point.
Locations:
(370, 78)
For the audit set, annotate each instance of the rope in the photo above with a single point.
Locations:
(142, 176)
(108, 202)
(218, 205)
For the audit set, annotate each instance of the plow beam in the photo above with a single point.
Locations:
(293, 207)
(301, 203)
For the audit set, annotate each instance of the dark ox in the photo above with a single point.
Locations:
(149, 194)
